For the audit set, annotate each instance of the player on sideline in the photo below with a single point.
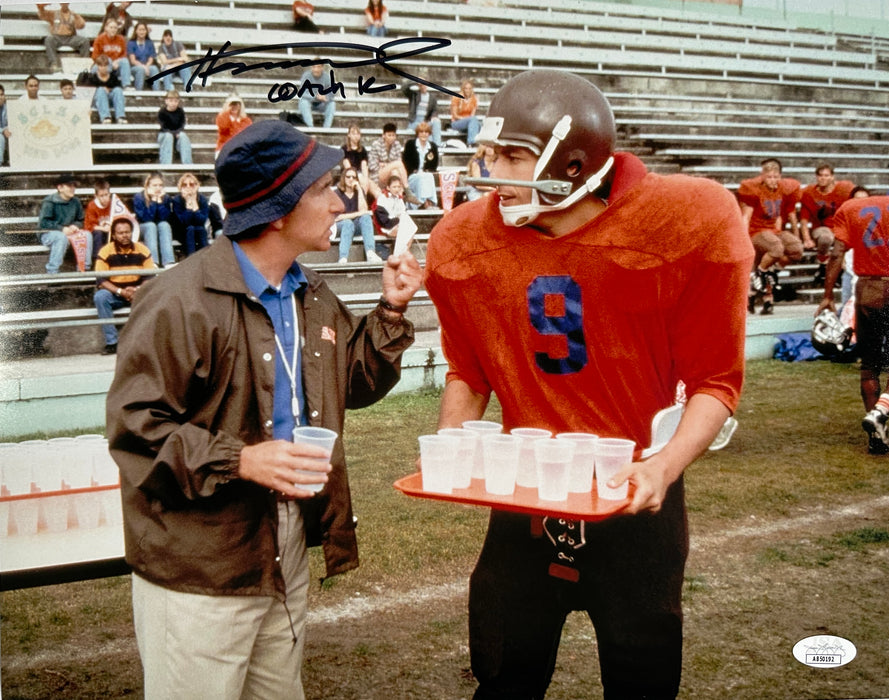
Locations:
(819, 202)
(581, 310)
(862, 224)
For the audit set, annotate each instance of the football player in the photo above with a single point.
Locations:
(580, 293)
(818, 204)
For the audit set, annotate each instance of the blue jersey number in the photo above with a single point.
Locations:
(569, 325)
(868, 238)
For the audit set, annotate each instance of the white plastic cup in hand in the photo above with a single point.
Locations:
(481, 427)
(501, 456)
(580, 475)
(611, 455)
(319, 437)
(438, 455)
(553, 459)
(465, 456)
(526, 474)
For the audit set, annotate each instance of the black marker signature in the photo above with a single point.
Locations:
(212, 63)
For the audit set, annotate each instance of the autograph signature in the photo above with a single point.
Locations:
(214, 62)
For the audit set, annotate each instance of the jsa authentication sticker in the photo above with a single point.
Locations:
(824, 651)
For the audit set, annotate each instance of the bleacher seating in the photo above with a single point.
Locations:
(703, 93)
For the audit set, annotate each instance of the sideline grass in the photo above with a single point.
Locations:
(798, 456)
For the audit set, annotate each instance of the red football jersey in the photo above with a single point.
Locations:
(591, 331)
(769, 206)
(863, 225)
(819, 208)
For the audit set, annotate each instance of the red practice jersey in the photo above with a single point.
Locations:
(591, 331)
(769, 206)
(819, 208)
(863, 225)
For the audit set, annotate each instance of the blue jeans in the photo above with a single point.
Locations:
(2, 146)
(194, 239)
(103, 102)
(58, 245)
(436, 129)
(142, 72)
(469, 126)
(158, 238)
(165, 142)
(376, 31)
(307, 105)
(346, 230)
(123, 71)
(184, 74)
(106, 303)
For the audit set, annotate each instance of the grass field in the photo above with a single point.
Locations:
(790, 538)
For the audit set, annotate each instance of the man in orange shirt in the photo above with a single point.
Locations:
(463, 110)
(767, 201)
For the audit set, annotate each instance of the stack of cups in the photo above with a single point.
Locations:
(481, 427)
(54, 510)
(526, 474)
(611, 455)
(464, 457)
(580, 474)
(320, 437)
(501, 461)
(17, 472)
(77, 472)
(438, 456)
(105, 473)
(553, 459)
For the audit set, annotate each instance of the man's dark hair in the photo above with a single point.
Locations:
(121, 220)
(32, 77)
(66, 82)
(824, 166)
(101, 184)
(389, 127)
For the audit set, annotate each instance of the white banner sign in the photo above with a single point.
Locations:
(49, 134)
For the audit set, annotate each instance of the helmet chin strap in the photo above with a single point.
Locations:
(524, 214)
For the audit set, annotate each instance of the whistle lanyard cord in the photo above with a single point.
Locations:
(293, 367)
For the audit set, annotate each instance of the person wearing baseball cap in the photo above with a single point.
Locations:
(222, 357)
(61, 216)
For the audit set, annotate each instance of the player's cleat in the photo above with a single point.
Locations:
(875, 446)
(772, 279)
(758, 280)
(751, 304)
(767, 309)
(874, 424)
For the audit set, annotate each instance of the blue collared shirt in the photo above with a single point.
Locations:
(278, 305)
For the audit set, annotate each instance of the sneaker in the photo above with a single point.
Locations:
(110, 349)
(756, 281)
(874, 424)
(767, 309)
(771, 279)
(122, 120)
(343, 261)
(875, 446)
(372, 256)
(107, 120)
(751, 304)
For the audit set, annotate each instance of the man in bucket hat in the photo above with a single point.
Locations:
(222, 357)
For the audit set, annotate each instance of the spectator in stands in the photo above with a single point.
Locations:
(375, 16)
(116, 292)
(118, 12)
(390, 207)
(421, 107)
(97, 219)
(320, 97)
(201, 419)
(113, 44)
(818, 203)
(143, 57)
(231, 120)
(154, 209)
(480, 166)
(109, 93)
(171, 118)
(355, 156)
(191, 214)
(66, 88)
(420, 158)
(767, 202)
(463, 111)
(303, 14)
(61, 215)
(170, 55)
(384, 160)
(32, 88)
(5, 133)
(356, 215)
(63, 26)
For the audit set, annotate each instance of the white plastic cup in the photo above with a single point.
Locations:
(4, 519)
(526, 474)
(481, 427)
(553, 459)
(438, 455)
(580, 475)
(55, 513)
(25, 513)
(18, 466)
(611, 455)
(501, 459)
(112, 512)
(465, 457)
(75, 460)
(87, 509)
(104, 468)
(320, 437)
(50, 463)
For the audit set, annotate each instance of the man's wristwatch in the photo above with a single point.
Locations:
(391, 307)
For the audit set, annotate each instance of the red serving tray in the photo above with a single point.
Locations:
(579, 506)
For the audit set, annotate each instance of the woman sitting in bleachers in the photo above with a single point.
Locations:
(143, 57)
(191, 212)
(153, 209)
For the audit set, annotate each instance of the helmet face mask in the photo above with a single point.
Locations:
(829, 336)
(570, 129)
